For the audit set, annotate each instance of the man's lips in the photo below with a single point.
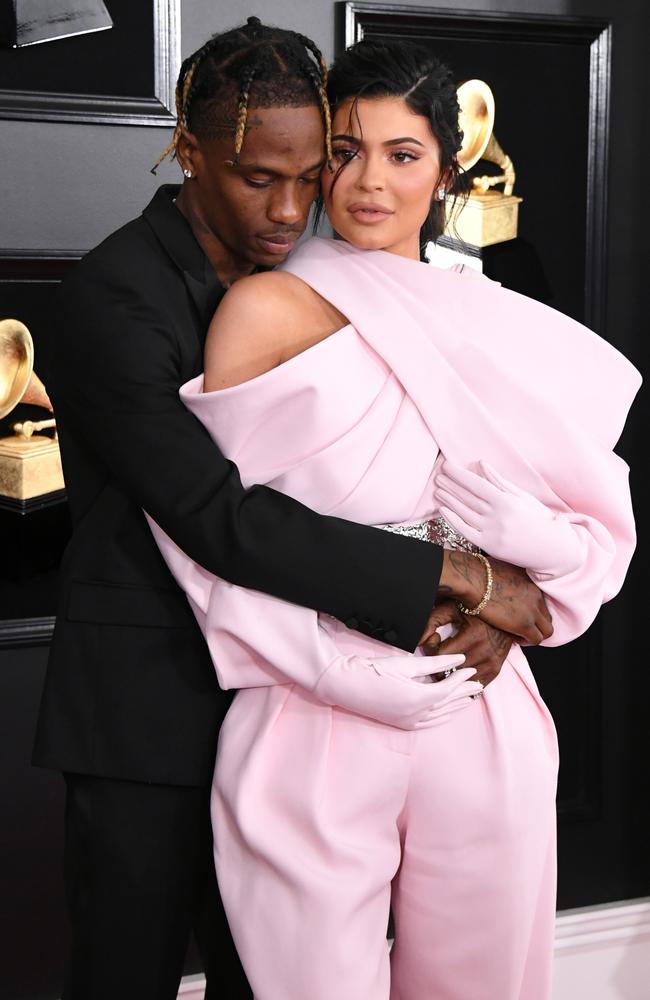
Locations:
(366, 211)
(280, 243)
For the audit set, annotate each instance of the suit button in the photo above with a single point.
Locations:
(352, 622)
(390, 636)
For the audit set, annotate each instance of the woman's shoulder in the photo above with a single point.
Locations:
(263, 320)
(271, 296)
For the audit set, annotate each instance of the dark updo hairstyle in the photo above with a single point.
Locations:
(391, 68)
(254, 65)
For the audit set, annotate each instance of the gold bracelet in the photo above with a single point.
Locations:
(488, 588)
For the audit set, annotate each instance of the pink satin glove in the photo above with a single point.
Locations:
(393, 689)
(505, 521)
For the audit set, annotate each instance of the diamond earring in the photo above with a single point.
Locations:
(187, 172)
(442, 194)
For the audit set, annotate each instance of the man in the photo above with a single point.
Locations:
(131, 709)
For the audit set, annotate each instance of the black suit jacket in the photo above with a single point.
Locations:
(130, 690)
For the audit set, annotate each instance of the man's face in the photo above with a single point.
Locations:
(259, 208)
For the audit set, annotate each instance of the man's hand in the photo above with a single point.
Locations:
(516, 606)
(485, 648)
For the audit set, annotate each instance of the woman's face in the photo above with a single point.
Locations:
(391, 171)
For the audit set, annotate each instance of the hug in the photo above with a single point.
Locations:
(324, 494)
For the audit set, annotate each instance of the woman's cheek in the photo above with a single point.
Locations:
(334, 196)
(418, 193)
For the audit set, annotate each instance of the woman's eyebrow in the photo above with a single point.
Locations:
(403, 138)
(388, 142)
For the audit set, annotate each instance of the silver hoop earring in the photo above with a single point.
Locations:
(187, 172)
(442, 194)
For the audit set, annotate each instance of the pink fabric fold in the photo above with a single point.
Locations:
(501, 377)
(431, 361)
(330, 427)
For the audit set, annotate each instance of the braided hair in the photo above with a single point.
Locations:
(375, 68)
(256, 65)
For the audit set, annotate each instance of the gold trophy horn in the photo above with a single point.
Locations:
(19, 383)
(476, 121)
(16, 363)
(488, 216)
(30, 465)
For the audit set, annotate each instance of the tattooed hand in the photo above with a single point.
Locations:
(483, 646)
(516, 606)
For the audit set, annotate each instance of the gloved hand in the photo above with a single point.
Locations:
(387, 688)
(505, 521)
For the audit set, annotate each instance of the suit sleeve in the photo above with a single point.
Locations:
(114, 372)
(255, 640)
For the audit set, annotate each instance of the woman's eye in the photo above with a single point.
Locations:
(344, 153)
(403, 156)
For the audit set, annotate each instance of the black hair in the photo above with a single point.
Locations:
(400, 68)
(256, 65)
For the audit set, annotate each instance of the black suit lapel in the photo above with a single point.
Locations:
(206, 293)
(175, 234)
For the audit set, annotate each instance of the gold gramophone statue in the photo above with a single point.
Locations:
(488, 216)
(30, 463)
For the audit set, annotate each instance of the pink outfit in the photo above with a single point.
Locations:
(317, 810)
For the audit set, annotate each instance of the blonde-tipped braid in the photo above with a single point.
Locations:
(183, 87)
(318, 81)
(320, 86)
(327, 121)
(242, 112)
(258, 44)
(185, 100)
(317, 54)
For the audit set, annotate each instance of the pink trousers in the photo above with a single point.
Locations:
(323, 820)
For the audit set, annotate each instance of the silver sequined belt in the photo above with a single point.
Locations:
(436, 531)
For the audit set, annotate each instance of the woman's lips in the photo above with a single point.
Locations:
(369, 214)
(277, 243)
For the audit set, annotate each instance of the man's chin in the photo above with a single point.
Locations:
(271, 259)
(266, 253)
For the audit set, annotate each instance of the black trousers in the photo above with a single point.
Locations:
(139, 875)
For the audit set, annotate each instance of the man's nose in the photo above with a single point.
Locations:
(286, 207)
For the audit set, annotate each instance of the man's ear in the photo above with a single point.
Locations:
(188, 152)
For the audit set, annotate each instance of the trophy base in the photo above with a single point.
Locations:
(484, 219)
(29, 467)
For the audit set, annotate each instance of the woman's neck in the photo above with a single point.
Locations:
(409, 247)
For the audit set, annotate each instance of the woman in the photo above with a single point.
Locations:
(332, 798)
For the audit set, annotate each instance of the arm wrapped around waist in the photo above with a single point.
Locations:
(256, 640)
